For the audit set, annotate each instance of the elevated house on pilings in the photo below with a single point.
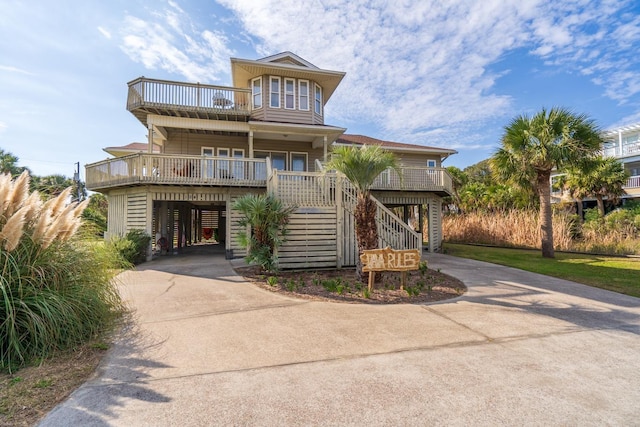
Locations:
(209, 145)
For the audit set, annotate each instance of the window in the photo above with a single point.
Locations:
(256, 87)
(207, 165)
(223, 165)
(431, 163)
(238, 165)
(299, 162)
(318, 100)
(274, 91)
(303, 95)
(289, 94)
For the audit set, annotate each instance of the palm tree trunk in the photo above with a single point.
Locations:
(600, 205)
(579, 210)
(546, 219)
(366, 229)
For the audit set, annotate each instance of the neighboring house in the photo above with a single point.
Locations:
(624, 145)
(209, 145)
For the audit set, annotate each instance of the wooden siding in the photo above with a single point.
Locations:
(435, 224)
(117, 215)
(283, 115)
(311, 241)
(137, 211)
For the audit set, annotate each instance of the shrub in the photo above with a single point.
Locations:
(56, 291)
(268, 219)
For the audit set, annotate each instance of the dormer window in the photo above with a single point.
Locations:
(289, 94)
(256, 90)
(318, 100)
(274, 92)
(303, 95)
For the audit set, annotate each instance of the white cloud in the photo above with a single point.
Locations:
(413, 66)
(3, 127)
(104, 32)
(171, 42)
(12, 69)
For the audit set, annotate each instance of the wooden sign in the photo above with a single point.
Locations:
(388, 259)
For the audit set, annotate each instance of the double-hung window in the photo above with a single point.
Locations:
(274, 92)
(256, 90)
(318, 100)
(303, 95)
(289, 94)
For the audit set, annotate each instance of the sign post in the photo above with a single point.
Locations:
(388, 259)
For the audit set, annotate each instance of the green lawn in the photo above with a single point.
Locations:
(613, 273)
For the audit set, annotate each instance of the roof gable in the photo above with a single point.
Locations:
(347, 139)
(289, 58)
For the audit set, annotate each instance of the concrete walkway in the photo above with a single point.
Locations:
(516, 349)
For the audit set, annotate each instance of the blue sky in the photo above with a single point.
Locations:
(440, 73)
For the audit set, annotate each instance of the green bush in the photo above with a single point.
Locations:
(57, 291)
(133, 246)
(268, 218)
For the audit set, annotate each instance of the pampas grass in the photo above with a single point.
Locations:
(521, 229)
(56, 291)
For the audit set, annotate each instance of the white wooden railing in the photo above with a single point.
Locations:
(144, 92)
(392, 231)
(633, 182)
(414, 179)
(631, 149)
(171, 169)
(303, 189)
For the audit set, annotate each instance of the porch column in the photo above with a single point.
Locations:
(251, 144)
(150, 138)
(324, 142)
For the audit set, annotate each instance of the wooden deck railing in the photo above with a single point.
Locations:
(144, 92)
(392, 231)
(415, 179)
(303, 189)
(177, 170)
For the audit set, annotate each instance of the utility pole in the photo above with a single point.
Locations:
(76, 179)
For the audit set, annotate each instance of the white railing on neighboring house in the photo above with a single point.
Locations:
(630, 149)
(178, 170)
(633, 182)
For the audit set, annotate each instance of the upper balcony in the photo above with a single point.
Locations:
(192, 100)
(624, 150)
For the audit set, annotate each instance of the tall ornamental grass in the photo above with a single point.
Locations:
(57, 290)
(520, 228)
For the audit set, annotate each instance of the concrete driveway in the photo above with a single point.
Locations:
(517, 349)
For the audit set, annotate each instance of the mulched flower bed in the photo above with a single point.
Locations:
(342, 286)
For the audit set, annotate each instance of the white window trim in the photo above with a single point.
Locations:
(306, 159)
(432, 163)
(253, 95)
(300, 82)
(293, 93)
(317, 108)
(271, 80)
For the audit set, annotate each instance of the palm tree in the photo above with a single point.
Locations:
(599, 177)
(9, 164)
(458, 179)
(533, 146)
(361, 166)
